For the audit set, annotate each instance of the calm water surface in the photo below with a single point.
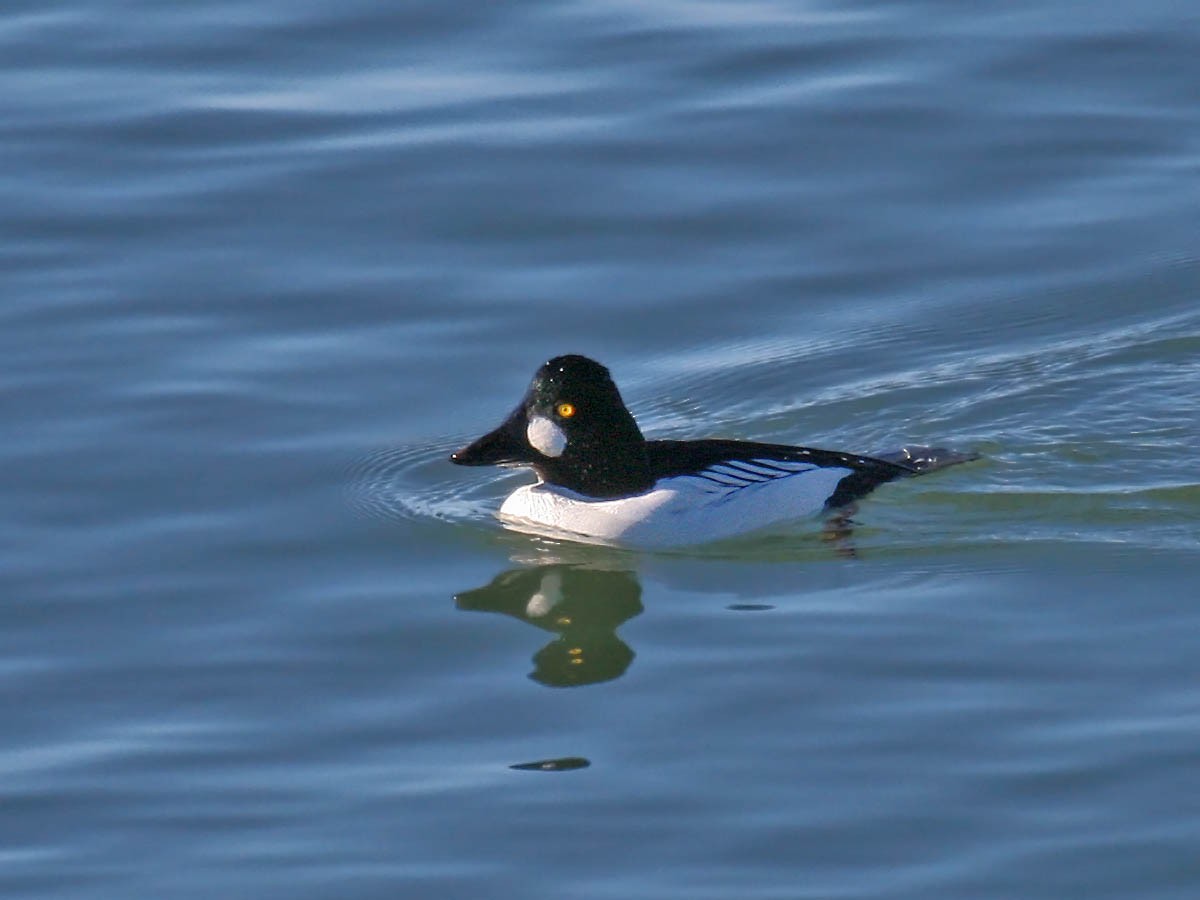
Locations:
(265, 264)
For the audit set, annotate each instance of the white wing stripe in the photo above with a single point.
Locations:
(745, 468)
(740, 473)
(724, 478)
(731, 471)
(786, 465)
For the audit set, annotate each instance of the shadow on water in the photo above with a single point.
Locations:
(581, 606)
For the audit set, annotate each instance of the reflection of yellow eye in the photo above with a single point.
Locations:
(566, 410)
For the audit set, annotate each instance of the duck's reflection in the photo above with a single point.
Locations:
(583, 606)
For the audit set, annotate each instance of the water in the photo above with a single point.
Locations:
(265, 265)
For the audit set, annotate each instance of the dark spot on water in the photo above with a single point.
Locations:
(563, 764)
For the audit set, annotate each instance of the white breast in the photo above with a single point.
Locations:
(687, 509)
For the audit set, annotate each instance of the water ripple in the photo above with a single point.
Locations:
(414, 483)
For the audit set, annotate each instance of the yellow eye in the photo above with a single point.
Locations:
(566, 410)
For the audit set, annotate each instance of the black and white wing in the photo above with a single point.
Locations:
(730, 466)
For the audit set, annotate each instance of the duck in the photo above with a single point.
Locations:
(599, 480)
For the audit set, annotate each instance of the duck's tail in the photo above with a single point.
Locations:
(927, 459)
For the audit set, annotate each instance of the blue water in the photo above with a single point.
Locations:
(264, 265)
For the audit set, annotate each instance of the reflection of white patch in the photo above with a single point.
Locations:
(545, 437)
(547, 598)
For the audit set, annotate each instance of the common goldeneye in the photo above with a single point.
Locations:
(601, 481)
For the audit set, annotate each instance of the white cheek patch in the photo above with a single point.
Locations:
(545, 437)
(547, 598)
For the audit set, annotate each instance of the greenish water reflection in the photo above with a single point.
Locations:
(582, 606)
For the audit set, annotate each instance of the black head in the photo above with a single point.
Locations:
(573, 429)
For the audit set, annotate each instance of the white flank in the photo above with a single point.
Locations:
(676, 512)
(545, 437)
